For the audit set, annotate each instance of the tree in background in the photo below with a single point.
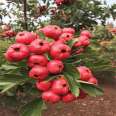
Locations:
(83, 13)
(28, 14)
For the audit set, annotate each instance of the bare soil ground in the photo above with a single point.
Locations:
(99, 106)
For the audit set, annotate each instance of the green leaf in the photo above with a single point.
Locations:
(91, 89)
(8, 67)
(71, 42)
(8, 81)
(34, 108)
(72, 75)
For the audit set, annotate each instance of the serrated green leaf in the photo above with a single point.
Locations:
(91, 89)
(34, 108)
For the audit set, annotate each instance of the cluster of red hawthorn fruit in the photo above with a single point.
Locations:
(33, 48)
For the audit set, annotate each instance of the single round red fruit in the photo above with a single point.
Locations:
(86, 33)
(43, 85)
(60, 51)
(65, 37)
(52, 31)
(38, 72)
(93, 80)
(39, 46)
(60, 87)
(85, 73)
(17, 52)
(36, 60)
(68, 98)
(55, 66)
(25, 37)
(51, 97)
(69, 30)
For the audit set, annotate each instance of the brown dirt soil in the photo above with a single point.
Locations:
(99, 106)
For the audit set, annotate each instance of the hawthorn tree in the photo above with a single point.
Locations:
(77, 14)
(83, 13)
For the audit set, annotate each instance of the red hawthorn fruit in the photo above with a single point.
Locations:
(39, 46)
(83, 41)
(60, 87)
(52, 31)
(51, 97)
(69, 30)
(68, 98)
(85, 73)
(55, 66)
(93, 80)
(38, 72)
(80, 51)
(60, 51)
(25, 37)
(59, 2)
(82, 95)
(6, 27)
(17, 52)
(65, 37)
(43, 85)
(36, 60)
(9, 33)
(86, 33)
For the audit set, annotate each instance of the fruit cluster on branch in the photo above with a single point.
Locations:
(46, 58)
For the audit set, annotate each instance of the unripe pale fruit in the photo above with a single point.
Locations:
(17, 52)
(36, 60)
(55, 66)
(68, 98)
(39, 46)
(43, 85)
(52, 31)
(60, 87)
(38, 72)
(60, 51)
(51, 97)
(25, 37)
